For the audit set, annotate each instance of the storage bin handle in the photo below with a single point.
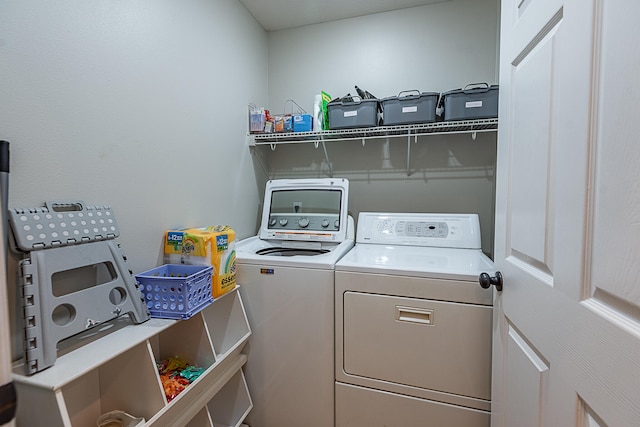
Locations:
(474, 87)
(412, 93)
(355, 99)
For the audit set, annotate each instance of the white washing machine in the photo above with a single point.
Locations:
(413, 326)
(286, 278)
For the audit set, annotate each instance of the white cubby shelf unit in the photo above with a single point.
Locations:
(114, 367)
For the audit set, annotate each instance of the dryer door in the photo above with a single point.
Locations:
(434, 345)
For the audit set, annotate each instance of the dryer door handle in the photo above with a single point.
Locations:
(423, 316)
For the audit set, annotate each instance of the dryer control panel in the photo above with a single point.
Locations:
(420, 229)
(436, 230)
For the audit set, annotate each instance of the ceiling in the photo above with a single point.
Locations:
(276, 15)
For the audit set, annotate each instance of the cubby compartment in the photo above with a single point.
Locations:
(227, 323)
(127, 382)
(188, 340)
(231, 405)
(202, 419)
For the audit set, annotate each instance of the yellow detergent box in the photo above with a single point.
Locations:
(214, 245)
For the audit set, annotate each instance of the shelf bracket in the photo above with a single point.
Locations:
(363, 141)
(326, 157)
(256, 155)
(273, 146)
(474, 135)
(409, 152)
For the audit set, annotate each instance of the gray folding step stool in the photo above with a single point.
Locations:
(74, 275)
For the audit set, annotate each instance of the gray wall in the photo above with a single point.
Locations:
(432, 48)
(139, 104)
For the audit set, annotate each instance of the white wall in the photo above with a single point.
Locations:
(139, 104)
(431, 48)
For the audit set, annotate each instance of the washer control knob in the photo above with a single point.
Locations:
(336, 223)
(324, 223)
(272, 222)
(303, 222)
(283, 221)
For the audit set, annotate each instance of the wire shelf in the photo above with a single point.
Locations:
(464, 126)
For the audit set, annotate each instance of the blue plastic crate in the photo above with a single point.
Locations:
(176, 291)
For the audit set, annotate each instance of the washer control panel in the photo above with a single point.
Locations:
(306, 210)
(316, 222)
(420, 229)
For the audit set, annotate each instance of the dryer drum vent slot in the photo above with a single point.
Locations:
(423, 316)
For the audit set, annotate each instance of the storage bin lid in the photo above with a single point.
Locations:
(355, 100)
(472, 90)
(410, 94)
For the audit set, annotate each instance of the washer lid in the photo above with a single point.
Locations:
(312, 210)
(248, 252)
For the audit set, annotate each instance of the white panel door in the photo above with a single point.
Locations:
(567, 323)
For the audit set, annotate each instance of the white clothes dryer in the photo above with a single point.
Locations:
(413, 326)
(286, 278)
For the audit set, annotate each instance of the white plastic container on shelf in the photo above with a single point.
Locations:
(317, 113)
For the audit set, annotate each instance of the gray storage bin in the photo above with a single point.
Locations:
(479, 102)
(354, 113)
(409, 107)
